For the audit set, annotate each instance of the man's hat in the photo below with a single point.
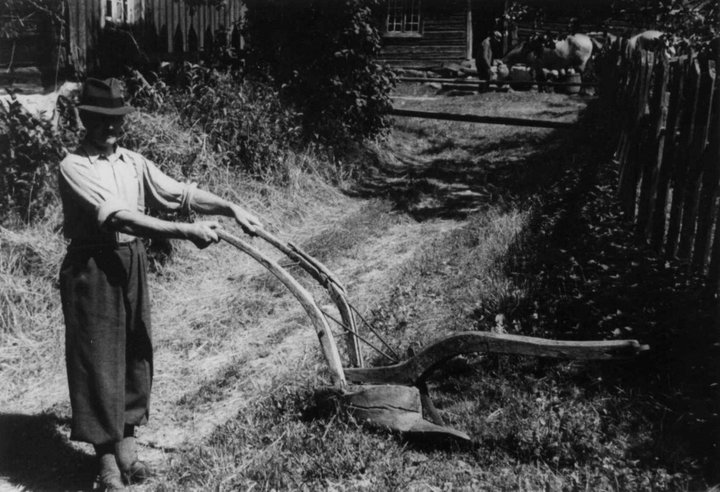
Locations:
(103, 97)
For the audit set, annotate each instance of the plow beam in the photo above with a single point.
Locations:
(415, 370)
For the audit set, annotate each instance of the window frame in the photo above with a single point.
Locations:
(407, 9)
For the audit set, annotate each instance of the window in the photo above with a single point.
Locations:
(120, 11)
(403, 17)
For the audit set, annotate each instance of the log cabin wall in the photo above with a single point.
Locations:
(441, 34)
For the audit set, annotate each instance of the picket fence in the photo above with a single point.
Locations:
(669, 152)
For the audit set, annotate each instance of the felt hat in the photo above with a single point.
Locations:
(103, 97)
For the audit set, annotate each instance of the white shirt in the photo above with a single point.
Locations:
(93, 187)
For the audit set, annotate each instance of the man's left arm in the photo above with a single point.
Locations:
(207, 203)
(165, 192)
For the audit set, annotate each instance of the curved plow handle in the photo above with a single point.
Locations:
(327, 279)
(327, 342)
(415, 370)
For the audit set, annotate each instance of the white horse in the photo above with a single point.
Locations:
(651, 40)
(574, 52)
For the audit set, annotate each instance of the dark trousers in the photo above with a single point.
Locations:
(108, 346)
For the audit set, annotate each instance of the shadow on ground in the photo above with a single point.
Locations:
(35, 456)
(482, 172)
(587, 275)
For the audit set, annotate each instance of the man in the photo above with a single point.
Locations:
(104, 190)
(489, 48)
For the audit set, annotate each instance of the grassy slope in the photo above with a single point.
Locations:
(513, 230)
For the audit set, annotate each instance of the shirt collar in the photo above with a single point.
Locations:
(94, 155)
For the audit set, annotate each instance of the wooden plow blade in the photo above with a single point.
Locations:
(394, 397)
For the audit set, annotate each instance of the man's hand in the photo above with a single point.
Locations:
(203, 234)
(246, 220)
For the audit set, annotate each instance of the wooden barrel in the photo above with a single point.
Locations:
(523, 76)
(573, 78)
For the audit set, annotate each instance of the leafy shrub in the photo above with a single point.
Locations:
(697, 22)
(245, 123)
(146, 95)
(321, 55)
(30, 151)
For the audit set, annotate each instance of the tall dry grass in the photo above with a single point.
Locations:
(31, 322)
(31, 329)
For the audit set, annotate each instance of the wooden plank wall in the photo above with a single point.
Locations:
(84, 22)
(183, 31)
(444, 38)
(669, 153)
(175, 28)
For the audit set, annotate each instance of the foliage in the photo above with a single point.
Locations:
(695, 20)
(143, 94)
(12, 26)
(517, 12)
(30, 150)
(244, 122)
(321, 56)
(20, 22)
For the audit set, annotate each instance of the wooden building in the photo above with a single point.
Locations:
(423, 34)
(68, 35)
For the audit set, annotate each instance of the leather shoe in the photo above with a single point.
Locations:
(138, 472)
(111, 483)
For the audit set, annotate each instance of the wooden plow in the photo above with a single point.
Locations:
(393, 397)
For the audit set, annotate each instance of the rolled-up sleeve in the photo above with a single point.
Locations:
(165, 193)
(88, 192)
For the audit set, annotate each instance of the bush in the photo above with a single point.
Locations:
(321, 55)
(30, 150)
(245, 124)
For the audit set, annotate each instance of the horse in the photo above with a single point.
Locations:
(544, 53)
(652, 40)
(602, 40)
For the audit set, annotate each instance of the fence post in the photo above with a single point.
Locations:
(630, 168)
(667, 163)
(714, 273)
(630, 89)
(653, 153)
(687, 127)
(695, 170)
(707, 184)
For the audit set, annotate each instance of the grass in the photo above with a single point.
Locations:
(471, 228)
(373, 219)
(29, 307)
(540, 425)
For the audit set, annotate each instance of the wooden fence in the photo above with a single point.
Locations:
(669, 153)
